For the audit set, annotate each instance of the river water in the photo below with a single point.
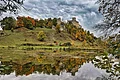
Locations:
(102, 67)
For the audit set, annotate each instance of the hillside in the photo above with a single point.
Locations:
(50, 37)
(51, 33)
(17, 38)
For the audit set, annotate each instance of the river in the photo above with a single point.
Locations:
(87, 67)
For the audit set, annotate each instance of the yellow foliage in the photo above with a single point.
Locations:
(77, 35)
(41, 36)
(58, 28)
(72, 42)
(38, 59)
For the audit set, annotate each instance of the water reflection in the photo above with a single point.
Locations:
(70, 65)
(64, 68)
(86, 72)
(110, 63)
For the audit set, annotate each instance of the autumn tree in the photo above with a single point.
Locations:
(49, 23)
(32, 20)
(41, 36)
(110, 10)
(27, 22)
(20, 22)
(69, 27)
(8, 23)
(10, 5)
(57, 28)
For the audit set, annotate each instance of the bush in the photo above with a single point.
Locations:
(41, 36)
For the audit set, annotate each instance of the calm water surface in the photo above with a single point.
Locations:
(64, 68)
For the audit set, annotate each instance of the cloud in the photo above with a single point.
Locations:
(85, 10)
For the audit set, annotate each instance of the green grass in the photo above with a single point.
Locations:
(16, 39)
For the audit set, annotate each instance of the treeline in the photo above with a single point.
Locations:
(72, 26)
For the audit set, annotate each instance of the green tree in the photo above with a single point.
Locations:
(41, 23)
(9, 23)
(41, 36)
(27, 23)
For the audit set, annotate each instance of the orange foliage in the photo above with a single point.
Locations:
(20, 22)
(72, 42)
(77, 34)
(20, 68)
(31, 71)
(84, 42)
(32, 20)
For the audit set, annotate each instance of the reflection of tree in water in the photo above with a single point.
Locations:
(6, 67)
(60, 64)
(69, 65)
(64, 64)
(111, 64)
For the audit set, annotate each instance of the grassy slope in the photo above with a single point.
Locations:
(14, 38)
(30, 36)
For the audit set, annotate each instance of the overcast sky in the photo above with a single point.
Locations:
(86, 11)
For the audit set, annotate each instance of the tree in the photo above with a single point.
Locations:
(54, 21)
(110, 10)
(27, 22)
(20, 22)
(50, 24)
(10, 5)
(9, 23)
(41, 23)
(57, 28)
(69, 27)
(32, 20)
(41, 36)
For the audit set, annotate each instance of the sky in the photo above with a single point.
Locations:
(86, 11)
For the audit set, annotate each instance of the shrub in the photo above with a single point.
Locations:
(41, 36)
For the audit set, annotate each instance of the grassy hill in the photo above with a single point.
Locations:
(26, 32)
(20, 38)
(30, 36)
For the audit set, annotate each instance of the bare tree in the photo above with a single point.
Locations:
(10, 5)
(110, 10)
